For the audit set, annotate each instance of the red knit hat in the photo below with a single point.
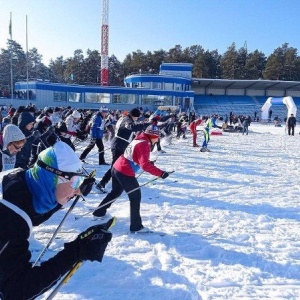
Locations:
(152, 132)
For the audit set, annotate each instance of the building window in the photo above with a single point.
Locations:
(168, 86)
(146, 85)
(117, 98)
(97, 98)
(156, 85)
(178, 87)
(178, 101)
(60, 96)
(125, 98)
(22, 94)
(156, 100)
(74, 97)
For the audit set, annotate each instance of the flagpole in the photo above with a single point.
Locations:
(11, 61)
(27, 93)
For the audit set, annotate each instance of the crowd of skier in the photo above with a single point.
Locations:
(42, 153)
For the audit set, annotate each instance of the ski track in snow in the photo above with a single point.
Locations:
(245, 192)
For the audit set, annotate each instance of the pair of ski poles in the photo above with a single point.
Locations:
(113, 200)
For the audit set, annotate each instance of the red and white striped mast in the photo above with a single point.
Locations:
(104, 43)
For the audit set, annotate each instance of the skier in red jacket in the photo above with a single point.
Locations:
(136, 156)
(193, 127)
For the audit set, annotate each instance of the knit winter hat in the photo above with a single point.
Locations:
(103, 109)
(155, 119)
(152, 131)
(135, 112)
(25, 118)
(12, 133)
(76, 114)
(66, 158)
(42, 182)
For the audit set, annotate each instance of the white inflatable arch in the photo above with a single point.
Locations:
(287, 101)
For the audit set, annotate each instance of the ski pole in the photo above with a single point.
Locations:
(3, 248)
(140, 174)
(92, 174)
(152, 161)
(109, 224)
(111, 201)
(64, 280)
(56, 231)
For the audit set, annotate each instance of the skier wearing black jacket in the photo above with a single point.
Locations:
(291, 123)
(124, 134)
(29, 198)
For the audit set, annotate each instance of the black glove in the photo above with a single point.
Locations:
(90, 244)
(164, 175)
(87, 186)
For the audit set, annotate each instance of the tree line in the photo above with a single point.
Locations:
(282, 64)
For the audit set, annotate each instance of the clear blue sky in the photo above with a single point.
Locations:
(59, 27)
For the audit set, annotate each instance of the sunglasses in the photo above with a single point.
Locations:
(76, 181)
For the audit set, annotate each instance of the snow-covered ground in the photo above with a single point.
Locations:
(231, 219)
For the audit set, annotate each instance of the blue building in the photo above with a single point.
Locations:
(172, 86)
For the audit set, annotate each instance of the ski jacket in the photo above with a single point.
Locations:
(124, 131)
(55, 118)
(23, 156)
(97, 127)
(194, 124)
(18, 280)
(246, 122)
(71, 126)
(15, 190)
(136, 155)
(291, 121)
(7, 162)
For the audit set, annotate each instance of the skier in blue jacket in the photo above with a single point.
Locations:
(96, 133)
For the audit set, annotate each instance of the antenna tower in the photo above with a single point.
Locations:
(104, 43)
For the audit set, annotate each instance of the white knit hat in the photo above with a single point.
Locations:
(12, 133)
(76, 114)
(66, 158)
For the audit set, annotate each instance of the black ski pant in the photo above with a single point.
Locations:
(291, 130)
(90, 146)
(116, 153)
(121, 182)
